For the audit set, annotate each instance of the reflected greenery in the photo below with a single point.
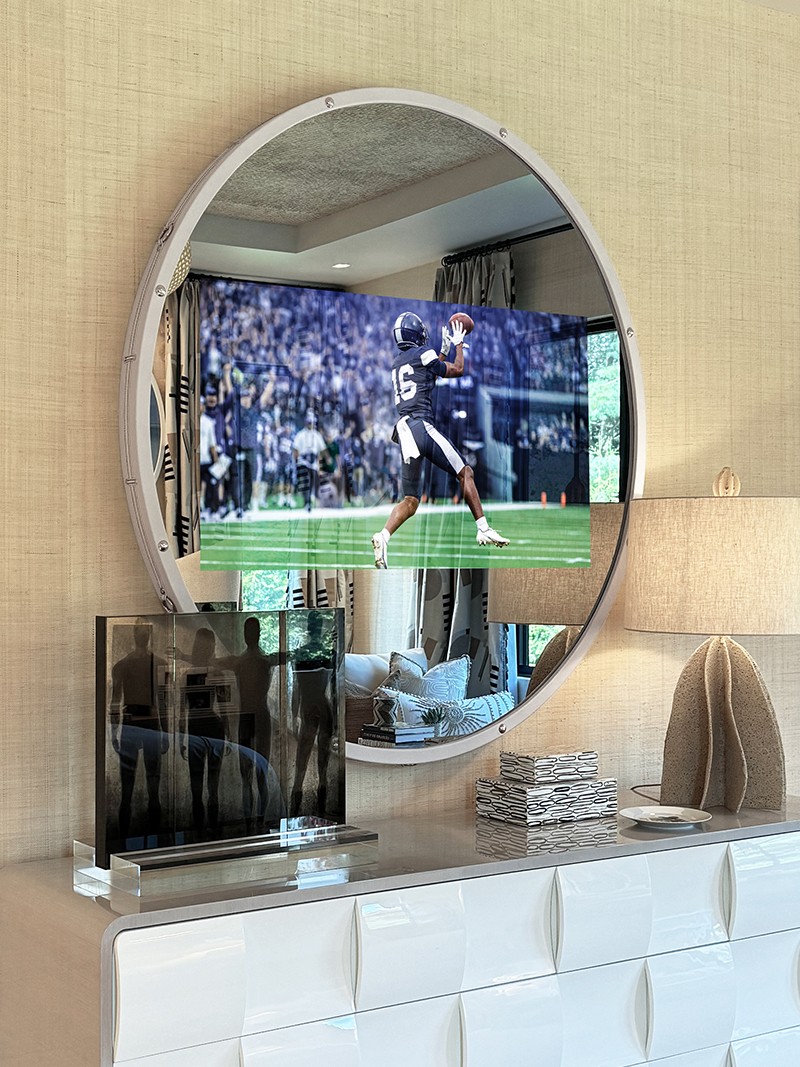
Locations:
(604, 415)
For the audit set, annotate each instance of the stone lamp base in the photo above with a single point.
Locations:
(723, 746)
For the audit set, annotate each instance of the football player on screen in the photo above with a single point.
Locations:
(415, 369)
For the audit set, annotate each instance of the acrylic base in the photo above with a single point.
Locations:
(304, 851)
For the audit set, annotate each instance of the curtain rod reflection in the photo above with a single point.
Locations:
(499, 246)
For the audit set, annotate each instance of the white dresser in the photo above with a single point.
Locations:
(677, 948)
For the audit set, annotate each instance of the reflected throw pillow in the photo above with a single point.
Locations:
(466, 716)
(412, 659)
(353, 689)
(391, 706)
(445, 681)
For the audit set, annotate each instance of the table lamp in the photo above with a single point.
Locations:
(557, 596)
(723, 564)
(207, 586)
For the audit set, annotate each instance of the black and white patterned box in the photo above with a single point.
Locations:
(516, 802)
(547, 770)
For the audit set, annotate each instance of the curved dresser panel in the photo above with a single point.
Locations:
(689, 956)
(452, 944)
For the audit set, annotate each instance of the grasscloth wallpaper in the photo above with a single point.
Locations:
(675, 124)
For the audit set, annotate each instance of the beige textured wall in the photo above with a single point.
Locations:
(675, 124)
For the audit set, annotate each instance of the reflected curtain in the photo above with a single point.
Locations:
(482, 281)
(325, 589)
(449, 609)
(449, 606)
(181, 332)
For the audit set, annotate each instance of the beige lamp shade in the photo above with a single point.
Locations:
(717, 565)
(209, 587)
(714, 565)
(558, 596)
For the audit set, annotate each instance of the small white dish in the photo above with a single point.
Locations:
(666, 818)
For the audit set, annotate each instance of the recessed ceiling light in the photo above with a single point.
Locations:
(339, 266)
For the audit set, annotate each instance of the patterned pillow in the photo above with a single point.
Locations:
(353, 689)
(391, 706)
(446, 681)
(466, 716)
(403, 679)
(409, 660)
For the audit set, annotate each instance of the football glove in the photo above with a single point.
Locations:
(445, 341)
(457, 333)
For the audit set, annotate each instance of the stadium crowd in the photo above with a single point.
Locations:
(297, 406)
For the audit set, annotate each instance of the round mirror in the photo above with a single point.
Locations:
(317, 243)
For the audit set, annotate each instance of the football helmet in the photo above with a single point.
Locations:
(409, 331)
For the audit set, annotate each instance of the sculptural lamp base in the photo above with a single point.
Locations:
(723, 745)
(552, 656)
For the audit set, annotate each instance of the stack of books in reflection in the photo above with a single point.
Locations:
(536, 790)
(398, 735)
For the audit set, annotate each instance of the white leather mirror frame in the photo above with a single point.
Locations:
(140, 343)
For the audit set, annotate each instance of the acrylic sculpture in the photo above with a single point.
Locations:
(215, 726)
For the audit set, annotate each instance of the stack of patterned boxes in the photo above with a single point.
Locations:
(533, 790)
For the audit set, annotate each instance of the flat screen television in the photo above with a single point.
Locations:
(301, 462)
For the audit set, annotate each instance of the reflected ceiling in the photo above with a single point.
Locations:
(353, 156)
(372, 181)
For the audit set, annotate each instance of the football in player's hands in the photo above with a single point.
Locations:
(464, 319)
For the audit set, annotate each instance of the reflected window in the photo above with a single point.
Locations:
(607, 449)
(264, 590)
(606, 431)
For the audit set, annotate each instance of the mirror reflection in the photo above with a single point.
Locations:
(393, 202)
(156, 428)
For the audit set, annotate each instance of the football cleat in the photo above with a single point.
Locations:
(409, 331)
(379, 548)
(492, 537)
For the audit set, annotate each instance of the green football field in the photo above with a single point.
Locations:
(437, 536)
